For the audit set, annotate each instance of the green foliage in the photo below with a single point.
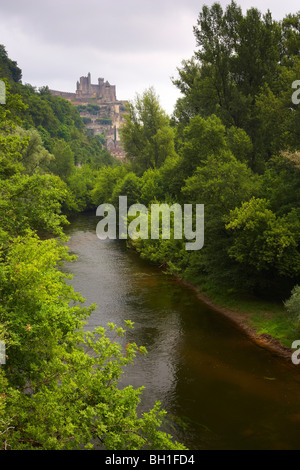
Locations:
(221, 184)
(201, 138)
(263, 240)
(280, 184)
(104, 121)
(152, 187)
(293, 304)
(93, 108)
(242, 72)
(59, 387)
(291, 37)
(9, 68)
(86, 120)
(232, 145)
(11, 111)
(75, 403)
(172, 175)
(106, 181)
(32, 202)
(81, 108)
(34, 156)
(239, 144)
(64, 164)
(146, 134)
(57, 122)
(81, 183)
(129, 186)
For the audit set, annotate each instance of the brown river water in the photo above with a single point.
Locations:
(221, 391)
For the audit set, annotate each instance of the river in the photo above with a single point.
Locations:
(221, 391)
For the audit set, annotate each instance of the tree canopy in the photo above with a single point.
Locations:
(59, 384)
(146, 134)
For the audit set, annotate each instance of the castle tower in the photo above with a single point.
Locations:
(85, 89)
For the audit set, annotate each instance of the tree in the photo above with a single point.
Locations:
(264, 241)
(152, 187)
(280, 184)
(291, 38)
(9, 68)
(222, 183)
(201, 138)
(59, 386)
(63, 164)
(81, 184)
(107, 179)
(293, 303)
(217, 37)
(34, 156)
(237, 55)
(146, 134)
(129, 186)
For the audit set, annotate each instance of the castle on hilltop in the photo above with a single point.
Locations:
(99, 109)
(104, 91)
(85, 91)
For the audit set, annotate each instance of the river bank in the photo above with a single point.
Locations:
(242, 317)
(219, 389)
(265, 323)
(243, 322)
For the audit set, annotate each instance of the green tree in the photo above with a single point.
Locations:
(291, 38)
(217, 36)
(107, 179)
(293, 303)
(34, 157)
(59, 386)
(280, 184)
(146, 134)
(221, 184)
(152, 187)
(236, 56)
(264, 241)
(201, 138)
(81, 183)
(63, 164)
(9, 68)
(129, 186)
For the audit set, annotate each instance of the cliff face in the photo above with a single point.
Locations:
(100, 110)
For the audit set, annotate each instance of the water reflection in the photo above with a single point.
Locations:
(225, 392)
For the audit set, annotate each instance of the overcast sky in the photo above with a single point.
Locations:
(133, 44)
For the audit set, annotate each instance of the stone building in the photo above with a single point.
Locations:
(100, 110)
(102, 90)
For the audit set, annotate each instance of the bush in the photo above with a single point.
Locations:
(293, 304)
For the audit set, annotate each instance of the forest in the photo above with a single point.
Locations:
(232, 144)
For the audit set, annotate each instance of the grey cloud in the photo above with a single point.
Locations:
(119, 25)
(131, 43)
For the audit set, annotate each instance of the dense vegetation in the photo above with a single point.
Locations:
(232, 144)
(59, 385)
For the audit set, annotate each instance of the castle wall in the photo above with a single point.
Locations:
(63, 94)
(104, 95)
(101, 90)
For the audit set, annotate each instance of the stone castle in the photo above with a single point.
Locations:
(100, 110)
(104, 91)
